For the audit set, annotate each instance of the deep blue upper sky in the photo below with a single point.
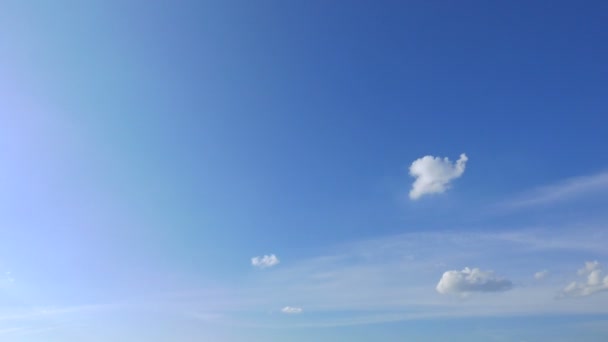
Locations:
(153, 142)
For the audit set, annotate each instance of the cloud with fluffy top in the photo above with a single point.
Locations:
(593, 284)
(290, 310)
(265, 261)
(471, 280)
(434, 174)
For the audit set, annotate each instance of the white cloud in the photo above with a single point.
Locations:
(593, 284)
(471, 280)
(540, 275)
(265, 261)
(434, 174)
(290, 310)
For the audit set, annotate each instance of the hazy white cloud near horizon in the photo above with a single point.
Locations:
(471, 280)
(540, 275)
(398, 273)
(594, 282)
(290, 310)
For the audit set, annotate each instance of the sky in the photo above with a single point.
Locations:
(303, 171)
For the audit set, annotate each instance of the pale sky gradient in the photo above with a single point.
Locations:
(303, 171)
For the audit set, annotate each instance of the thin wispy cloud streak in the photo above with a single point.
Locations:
(18, 314)
(568, 189)
(6, 331)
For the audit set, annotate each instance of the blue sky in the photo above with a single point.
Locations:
(274, 170)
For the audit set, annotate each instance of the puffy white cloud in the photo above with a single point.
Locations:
(471, 280)
(594, 282)
(434, 174)
(290, 310)
(540, 275)
(265, 261)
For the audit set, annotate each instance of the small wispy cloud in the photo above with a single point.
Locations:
(471, 280)
(265, 261)
(540, 275)
(6, 331)
(291, 310)
(593, 283)
(208, 316)
(434, 174)
(565, 190)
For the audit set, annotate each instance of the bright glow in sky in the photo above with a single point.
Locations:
(303, 171)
